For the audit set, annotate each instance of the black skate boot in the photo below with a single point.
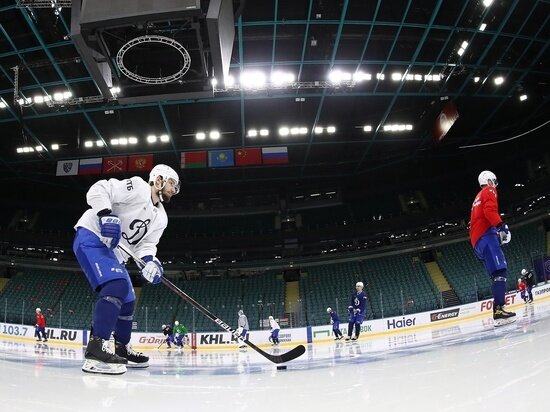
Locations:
(135, 359)
(502, 317)
(100, 358)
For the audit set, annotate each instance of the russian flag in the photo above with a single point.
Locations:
(90, 166)
(274, 155)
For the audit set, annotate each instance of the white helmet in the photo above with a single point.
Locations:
(38, 310)
(176, 323)
(241, 312)
(163, 326)
(329, 310)
(166, 172)
(519, 280)
(271, 318)
(487, 178)
(523, 272)
(359, 285)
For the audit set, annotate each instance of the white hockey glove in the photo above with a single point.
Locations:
(152, 271)
(504, 234)
(239, 330)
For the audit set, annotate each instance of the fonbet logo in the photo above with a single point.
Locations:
(401, 323)
(447, 314)
(488, 304)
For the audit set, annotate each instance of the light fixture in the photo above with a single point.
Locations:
(214, 82)
(151, 138)
(55, 146)
(294, 130)
(418, 77)
(361, 76)
(99, 143)
(132, 140)
(88, 143)
(396, 76)
(200, 136)
(436, 77)
(331, 129)
(499, 80)
(39, 99)
(264, 132)
(19, 150)
(523, 97)
(3, 105)
(284, 131)
(460, 51)
(303, 130)
(67, 95)
(114, 142)
(367, 128)
(123, 141)
(338, 76)
(229, 81)
(380, 76)
(476, 79)
(252, 79)
(115, 90)
(58, 96)
(38, 148)
(318, 130)
(279, 78)
(487, 3)
(482, 27)
(252, 133)
(214, 135)
(164, 138)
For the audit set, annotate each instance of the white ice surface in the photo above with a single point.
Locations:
(468, 366)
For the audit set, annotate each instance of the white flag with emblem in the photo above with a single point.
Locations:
(67, 168)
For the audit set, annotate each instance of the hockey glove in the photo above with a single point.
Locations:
(504, 234)
(152, 271)
(109, 226)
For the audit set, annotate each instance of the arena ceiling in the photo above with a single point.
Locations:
(409, 57)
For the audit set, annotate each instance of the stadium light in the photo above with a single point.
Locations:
(361, 76)
(499, 80)
(302, 130)
(380, 76)
(294, 130)
(67, 95)
(252, 79)
(214, 82)
(279, 78)
(396, 76)
(88, 143)
(99, 143)
(38, 148)
(164, 138)
(523, 97)
(200, 136)
(252, 133)
(338, 76)
(214, 135)
(284, 131)
(58, 96)
(367, 128)
(114, 142)
(39, 99)
(132, 140)
(123, 141)
(3, 105)
(318, 130)
(229, 81)
(482, 27)
(331, 129)
(264, 132)
(487, 3)
(19, 150)
(55, 146)
(476, 79)
(151, 138)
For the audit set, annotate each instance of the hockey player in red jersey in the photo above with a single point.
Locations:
(487, 234)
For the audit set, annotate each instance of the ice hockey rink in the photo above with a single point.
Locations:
(464, 366)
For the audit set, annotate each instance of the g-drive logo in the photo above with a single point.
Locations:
(447, 314)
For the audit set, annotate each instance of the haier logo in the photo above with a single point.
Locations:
(401, 323)
(447, 314)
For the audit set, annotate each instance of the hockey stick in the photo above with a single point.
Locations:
(285, 357)
(162, 343)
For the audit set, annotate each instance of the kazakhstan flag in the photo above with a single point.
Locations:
(221, 158)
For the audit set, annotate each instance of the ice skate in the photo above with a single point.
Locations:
(348, 338)
(502, 317)
(135, 359)
(354, 337)
(100, 358)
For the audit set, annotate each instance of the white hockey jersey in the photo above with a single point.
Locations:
(274, 325)
(243, 322)
(142, 223)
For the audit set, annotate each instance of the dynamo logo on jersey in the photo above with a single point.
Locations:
(356, 302)
(140, 230)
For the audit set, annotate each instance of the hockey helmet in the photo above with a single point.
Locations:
(270, 318)
(241, 312)
(523, 272)
(166, 172)
(163, 326)
(176, 323)
(359, 285)
(38, 310)
(487, 178)
(329, 310)
(519, 280)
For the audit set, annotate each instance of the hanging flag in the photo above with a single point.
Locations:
(274, 155)
(193, 160)
(444, 121)
(248, 157)
(221, 158)
(118, 164)
(67, 168)
(140, 163)
(90, 166)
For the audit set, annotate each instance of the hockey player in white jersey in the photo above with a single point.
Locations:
(243, 328)
(129, 211)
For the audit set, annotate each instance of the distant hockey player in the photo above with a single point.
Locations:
(530, 281)
(169, 333)
(275, 328)
(358, 311)
(335, 322)
(130, 211)
(243, 328)
(521, 286)
(40, 326)
(180, 334)
(487, 234)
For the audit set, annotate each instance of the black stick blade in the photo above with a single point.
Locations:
(282, 358)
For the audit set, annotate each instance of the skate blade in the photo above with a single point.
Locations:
(501, 322)
(93, 366)
(134, 365)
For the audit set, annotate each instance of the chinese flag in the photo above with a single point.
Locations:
(140, 163)
(118, 164)
(248, 157)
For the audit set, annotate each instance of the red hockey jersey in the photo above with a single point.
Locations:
(484, 213)
(40, 320)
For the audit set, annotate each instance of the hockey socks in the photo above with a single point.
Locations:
(357, 330)
(107, 308)
(499, 287)
(123, 328)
